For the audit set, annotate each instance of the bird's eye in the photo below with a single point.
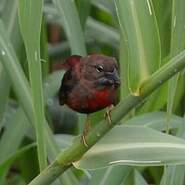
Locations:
(99, 68)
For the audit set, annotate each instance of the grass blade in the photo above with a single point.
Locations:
(102, 32)
(15, 72)
(175, 175)
(14, 156)
(163, 14)
(137, 19)
(139, 179)
(16, 126)
(155, 120)
(72, 26)
(107, 6)
(123, 61)
(9, 18)
(113, 175)
(177, 45)
(30, 18)
(84, 7)
(4, 86)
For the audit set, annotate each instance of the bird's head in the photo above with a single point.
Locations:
(101, 70)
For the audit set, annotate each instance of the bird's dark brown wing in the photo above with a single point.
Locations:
(66, 87)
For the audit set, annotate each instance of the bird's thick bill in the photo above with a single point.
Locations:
(111, 78)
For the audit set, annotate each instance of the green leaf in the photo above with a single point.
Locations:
(113, 175)
(30, 17)
(151, 104)
(9, 17)
(15, 72)
(123, 62)
(14, 156)
(63, 140)
(156, 120)
(134, 178)
(177, 45)
(129, 179)
(138, 22)
(53, 148)
(139, 180)
(52, 84)
(133, 145)
(102, 32)
(179, 94)
(10, 20)
(163, 14)
(84, 7)
(107, 6)
(16, 126)
(175, 175)
(28, 168)
(2, 5)
(4, 86)
(72, 26)
(44, 49)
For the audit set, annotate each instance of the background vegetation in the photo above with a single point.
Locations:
(35, 38)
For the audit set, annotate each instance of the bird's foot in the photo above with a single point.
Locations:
(108, 114)
(83, 137)
(85, 131)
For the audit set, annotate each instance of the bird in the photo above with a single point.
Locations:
(90, 84)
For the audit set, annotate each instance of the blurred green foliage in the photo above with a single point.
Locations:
(141, 35)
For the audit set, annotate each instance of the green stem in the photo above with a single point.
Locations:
(77, 149)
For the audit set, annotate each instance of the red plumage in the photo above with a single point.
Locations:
(90, 83)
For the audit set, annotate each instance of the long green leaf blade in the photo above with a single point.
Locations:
(132, 145)
(155, 120)
(9, 18)
(137, 20)
(175, 175)
(177, 45)
(71, 21)
(139, 179)
(112, 175)
(4, 86)
(30, 17)
(16, 126)
(15, 72)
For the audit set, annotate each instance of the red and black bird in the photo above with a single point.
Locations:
(90, 83)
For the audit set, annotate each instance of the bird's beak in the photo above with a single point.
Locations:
(111, 78)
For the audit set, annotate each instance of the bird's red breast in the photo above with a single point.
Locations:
(101, 99)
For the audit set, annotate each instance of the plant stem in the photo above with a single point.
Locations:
(77, 149)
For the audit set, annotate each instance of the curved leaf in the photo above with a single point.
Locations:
(30, 17)
(156, 120)
(132, 145)
(138, 22)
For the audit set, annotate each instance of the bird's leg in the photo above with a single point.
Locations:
(108, 114)
(86, 130)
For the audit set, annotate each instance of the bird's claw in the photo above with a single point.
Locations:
(85, 131)
(83, 137)
(108, 114)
